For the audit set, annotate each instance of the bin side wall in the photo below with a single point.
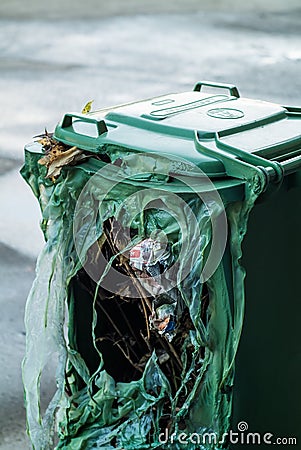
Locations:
(267, 388)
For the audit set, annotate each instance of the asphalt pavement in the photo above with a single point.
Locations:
(55, 60)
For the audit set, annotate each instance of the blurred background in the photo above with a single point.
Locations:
(55, 56)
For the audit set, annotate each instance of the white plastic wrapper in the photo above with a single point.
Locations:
(149, 257)
(147, 253)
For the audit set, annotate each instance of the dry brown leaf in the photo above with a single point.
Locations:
(69, 156)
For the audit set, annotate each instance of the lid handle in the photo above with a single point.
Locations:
(230, 87)
(291, 165)
(100, 124)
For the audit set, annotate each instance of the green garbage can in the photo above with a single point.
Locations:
(167, 287)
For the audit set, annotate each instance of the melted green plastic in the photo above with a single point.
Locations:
(102, 413)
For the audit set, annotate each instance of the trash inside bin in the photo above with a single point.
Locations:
(140, 287)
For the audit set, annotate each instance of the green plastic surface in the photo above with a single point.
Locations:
(94, 410)
(87, 419)
(168, 124)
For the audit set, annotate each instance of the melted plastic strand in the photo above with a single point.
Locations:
(105, 414)
(44, 318)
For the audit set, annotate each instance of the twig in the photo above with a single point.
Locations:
(110, 319)
(174, 377)
(168, 346)
(127, 322)
(128, 357)
(147, 342)
(116, 328)
(135, 281)
(144, 300)
(175, 354)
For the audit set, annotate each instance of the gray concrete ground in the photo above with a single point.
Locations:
(16, 273)
(55, 57)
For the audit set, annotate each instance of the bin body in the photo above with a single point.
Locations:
(213, 159)
(267, 374)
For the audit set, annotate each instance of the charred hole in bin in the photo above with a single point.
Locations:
(123, 332)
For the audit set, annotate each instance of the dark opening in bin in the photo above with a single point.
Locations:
(123, 333)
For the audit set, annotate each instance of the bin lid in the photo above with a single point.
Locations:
(167, 125)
